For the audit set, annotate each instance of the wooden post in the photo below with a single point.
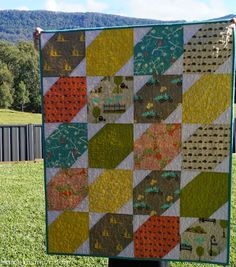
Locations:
(36, 35)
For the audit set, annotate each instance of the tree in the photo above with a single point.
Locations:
(6, 90)
(117, 81)
(22, 95)
(22, 60)
(96, 112)
(5, 96)
(224, 225)
(200, 251)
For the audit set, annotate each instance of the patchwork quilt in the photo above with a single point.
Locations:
(137, 140)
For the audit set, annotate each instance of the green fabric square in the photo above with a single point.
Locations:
(204, 195)
(112, 144)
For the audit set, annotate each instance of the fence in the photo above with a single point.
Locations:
(24, 142)
(20, 142)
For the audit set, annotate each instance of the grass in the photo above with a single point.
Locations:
(22, 225)
(8, 116)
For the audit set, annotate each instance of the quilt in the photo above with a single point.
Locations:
(137, 141)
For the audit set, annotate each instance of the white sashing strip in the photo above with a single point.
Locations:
(222, 257)
(128, 116)
(139, 33)
(79, 70)
(93, 82)
(93, 174)
(83, 249)
(127, 69)
(127, 163)
(188, 130)
(139, 220)
(224, 118)
(49, 128)
(190, 30)
(52, 215)
(139, 176)
(90, 36)
(128, 251)
(82, 161)
(185, 223)
(140, 81)
(94, 128)
(81, 116)
(50, 173)
(127, 208)
(189, 80)
(48, 82)
(174, 253)
(45, 37)
(173, 210)
(83, 206)
(187, 177)
(140, 129)
(221, 213)
(176, 67)
(94, 218)
(223, 166)
(175, 164)
(226, 67)
(175, 116)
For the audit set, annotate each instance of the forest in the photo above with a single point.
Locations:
(16, 25)
(19, 76)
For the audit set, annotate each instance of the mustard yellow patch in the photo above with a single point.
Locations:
(109, 52)
(110, 191)
(207, 98)
(68, 232)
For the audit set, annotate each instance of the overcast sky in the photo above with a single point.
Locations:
(154, 9)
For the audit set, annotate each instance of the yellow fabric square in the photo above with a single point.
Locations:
(68, 232)
(110, 191)
(207, 99)
(109, 52)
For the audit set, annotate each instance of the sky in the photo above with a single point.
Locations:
(152, 9)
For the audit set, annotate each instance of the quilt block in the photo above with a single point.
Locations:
(137, 141)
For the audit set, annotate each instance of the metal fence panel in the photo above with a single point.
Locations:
(38, 142)
(20, 142)
(7, 143)
(15, 144)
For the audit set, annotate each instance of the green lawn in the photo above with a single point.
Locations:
(8, 116)
(22, 225)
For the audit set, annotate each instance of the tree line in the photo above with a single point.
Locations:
(16, 25)
(19, 76)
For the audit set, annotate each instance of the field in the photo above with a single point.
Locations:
(22, 225)
(8, 116)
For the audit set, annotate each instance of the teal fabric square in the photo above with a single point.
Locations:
(158, 49)
(66, 144)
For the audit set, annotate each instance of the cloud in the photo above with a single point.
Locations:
(177, 9)
(70, 6)
(22, 8)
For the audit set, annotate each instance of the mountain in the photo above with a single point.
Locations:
(18, 25)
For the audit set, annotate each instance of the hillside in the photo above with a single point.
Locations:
(18, 25)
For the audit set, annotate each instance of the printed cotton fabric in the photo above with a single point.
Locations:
(137, 141)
